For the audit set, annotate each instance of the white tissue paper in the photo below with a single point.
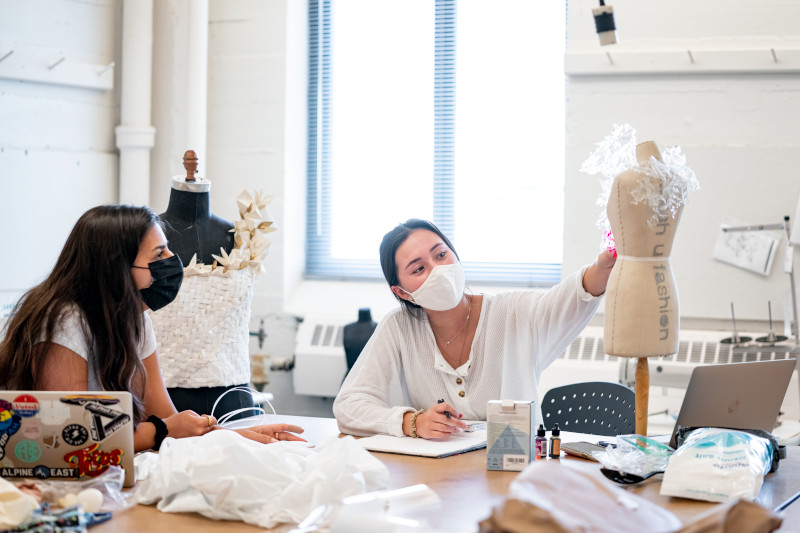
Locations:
(15, 505)
(669, 181)
(547, 485)
(225, 476)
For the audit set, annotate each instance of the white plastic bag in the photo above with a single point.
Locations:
(718, 465)
(15, 505)
(225, 476)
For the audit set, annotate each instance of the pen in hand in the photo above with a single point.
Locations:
(448, 414)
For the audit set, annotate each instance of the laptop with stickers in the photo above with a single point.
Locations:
(65, 435)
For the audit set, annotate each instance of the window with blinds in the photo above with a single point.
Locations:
(451, 111)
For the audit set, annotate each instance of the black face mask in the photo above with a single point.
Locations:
(167, 278)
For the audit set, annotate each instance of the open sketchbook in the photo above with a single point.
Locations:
(461, 442)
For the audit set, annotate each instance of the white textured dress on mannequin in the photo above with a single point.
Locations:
(204, 335)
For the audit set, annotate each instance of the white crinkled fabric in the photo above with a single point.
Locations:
(225, 476)
(203, 336)
(669, 181)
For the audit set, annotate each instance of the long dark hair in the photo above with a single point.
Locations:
(392, 241)
(93, 273)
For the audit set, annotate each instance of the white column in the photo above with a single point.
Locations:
(135, 134)
(197, 80)
(180, 91)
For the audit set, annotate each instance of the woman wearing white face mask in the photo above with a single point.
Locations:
(445, 344)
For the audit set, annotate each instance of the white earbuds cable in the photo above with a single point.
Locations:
(222, 420)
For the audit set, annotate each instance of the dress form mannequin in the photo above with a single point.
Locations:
(356, 335)
(192, 230)
(191, 227)
(642, 315)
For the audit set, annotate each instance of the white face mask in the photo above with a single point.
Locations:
(443, 289)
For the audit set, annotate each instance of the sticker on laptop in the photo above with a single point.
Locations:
(10, 423)
(28, 451)
(32, 429)
(104, 420)
(75, 435)
(26, 405)
(92, 461)
(53, 413)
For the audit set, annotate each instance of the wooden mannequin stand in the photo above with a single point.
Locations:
(642, 318)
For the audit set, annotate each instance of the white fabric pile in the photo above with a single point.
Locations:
(225, 476)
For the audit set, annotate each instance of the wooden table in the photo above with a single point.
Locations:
(468, 491)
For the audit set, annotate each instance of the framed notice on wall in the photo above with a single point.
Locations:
(750, 250)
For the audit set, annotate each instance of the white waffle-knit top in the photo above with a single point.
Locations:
(204, 336)
(401, 369)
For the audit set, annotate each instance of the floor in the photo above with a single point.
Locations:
(286, 402)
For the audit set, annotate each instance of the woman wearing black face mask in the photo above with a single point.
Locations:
(84, 326)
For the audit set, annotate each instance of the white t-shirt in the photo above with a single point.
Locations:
(69, 334)
(518, 335)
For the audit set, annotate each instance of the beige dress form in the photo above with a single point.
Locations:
(642, 318)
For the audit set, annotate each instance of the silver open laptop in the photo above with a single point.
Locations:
(737, 395)
(65, 435)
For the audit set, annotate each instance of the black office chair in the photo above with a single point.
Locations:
(596, 407)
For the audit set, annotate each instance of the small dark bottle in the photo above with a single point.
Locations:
(541, 443)
(555, 442)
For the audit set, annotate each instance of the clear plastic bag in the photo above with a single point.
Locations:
(635, 454)
(414, 508)
(718, 465)
(109, 484)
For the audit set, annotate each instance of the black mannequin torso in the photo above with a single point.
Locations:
(191, 228)
(356, 335)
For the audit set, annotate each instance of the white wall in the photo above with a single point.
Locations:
(740, 134)
(253, 141)
(57, 154)
(57, 151)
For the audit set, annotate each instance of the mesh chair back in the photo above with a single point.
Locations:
(596, 407)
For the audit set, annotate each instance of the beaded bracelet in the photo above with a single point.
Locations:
(413, 432)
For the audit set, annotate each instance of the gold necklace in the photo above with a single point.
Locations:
(460, 354)
(469, 310)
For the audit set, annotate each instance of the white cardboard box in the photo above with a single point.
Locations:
(510, 434)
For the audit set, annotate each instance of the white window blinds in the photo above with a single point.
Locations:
(443, 110)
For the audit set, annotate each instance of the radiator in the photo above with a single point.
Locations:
(319, 363)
